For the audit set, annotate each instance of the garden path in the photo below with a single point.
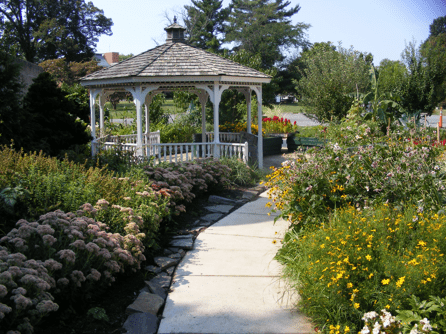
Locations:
(230, 282)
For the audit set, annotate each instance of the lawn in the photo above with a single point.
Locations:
(291, 108)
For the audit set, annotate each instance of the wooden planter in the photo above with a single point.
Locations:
(272, 145)
(293, 143)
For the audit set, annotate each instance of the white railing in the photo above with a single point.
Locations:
(225, 137)
(185, 152)
(148, 138)
(240, 151)
(176, 152)
(181, 152)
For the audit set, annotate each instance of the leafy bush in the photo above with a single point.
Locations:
(397, 171)
(177, 132)
(47, 184)
(366, 260)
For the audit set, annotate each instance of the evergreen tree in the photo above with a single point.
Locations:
(265, 27)
(53, 123)
(12, 116)
(204, 22)
(438, 26)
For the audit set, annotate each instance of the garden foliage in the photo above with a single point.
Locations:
(367, 224)
(79, 228)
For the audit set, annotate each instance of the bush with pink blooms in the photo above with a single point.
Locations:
(182, 183)
(61, 257)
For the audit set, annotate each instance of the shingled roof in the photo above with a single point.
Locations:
(175, 59)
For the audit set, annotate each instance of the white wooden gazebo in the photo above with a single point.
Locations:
(168, 67)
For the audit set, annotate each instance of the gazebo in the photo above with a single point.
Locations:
(171, 66)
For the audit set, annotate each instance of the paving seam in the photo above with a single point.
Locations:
(251, 214)
(246, 236)
(243, 276)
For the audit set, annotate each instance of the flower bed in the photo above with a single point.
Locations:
(366, 228)
(366, 260)
(62, 258)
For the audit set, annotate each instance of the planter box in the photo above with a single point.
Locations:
(303, 142)
(272, 145)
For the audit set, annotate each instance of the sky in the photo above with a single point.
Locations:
(381, 27)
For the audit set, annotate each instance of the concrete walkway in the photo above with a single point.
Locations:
(230, 283)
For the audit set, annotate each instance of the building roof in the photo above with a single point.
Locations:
(175, 59)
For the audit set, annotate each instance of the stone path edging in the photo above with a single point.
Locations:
(145, 312)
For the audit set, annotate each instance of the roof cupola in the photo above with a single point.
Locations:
(175, 32)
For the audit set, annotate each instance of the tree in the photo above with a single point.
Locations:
(52, 118)
(329, 77)
(233, 104)
(12, 115)
(46, 29)
(438, 27)
(391, 75)
(264, 26)
(434, 52)
(423, 87)
(204, 23)
(124, 57)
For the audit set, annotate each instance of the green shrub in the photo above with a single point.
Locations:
(368, 260)
(49, 184)
(401, 170)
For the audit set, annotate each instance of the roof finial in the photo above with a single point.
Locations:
(174, 19)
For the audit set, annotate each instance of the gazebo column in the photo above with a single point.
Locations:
(139, 94)
(93, 94)
(247, 93)
(203, 98)
(102, 98)
(146, 116)
(258, 91)
(218, 90)
(139, 140)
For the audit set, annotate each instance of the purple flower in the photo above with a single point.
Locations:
(77, 277)
(45, 229)
(67, 254)
(49, 240)
(63, 282)
(47, 306)
(92, 248)
(52, 265)
(94, 275)
(4, 309)
(3, 291)
(79, 244)
(21, 302)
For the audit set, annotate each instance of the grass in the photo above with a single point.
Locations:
(128, 109)
(290, 108)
